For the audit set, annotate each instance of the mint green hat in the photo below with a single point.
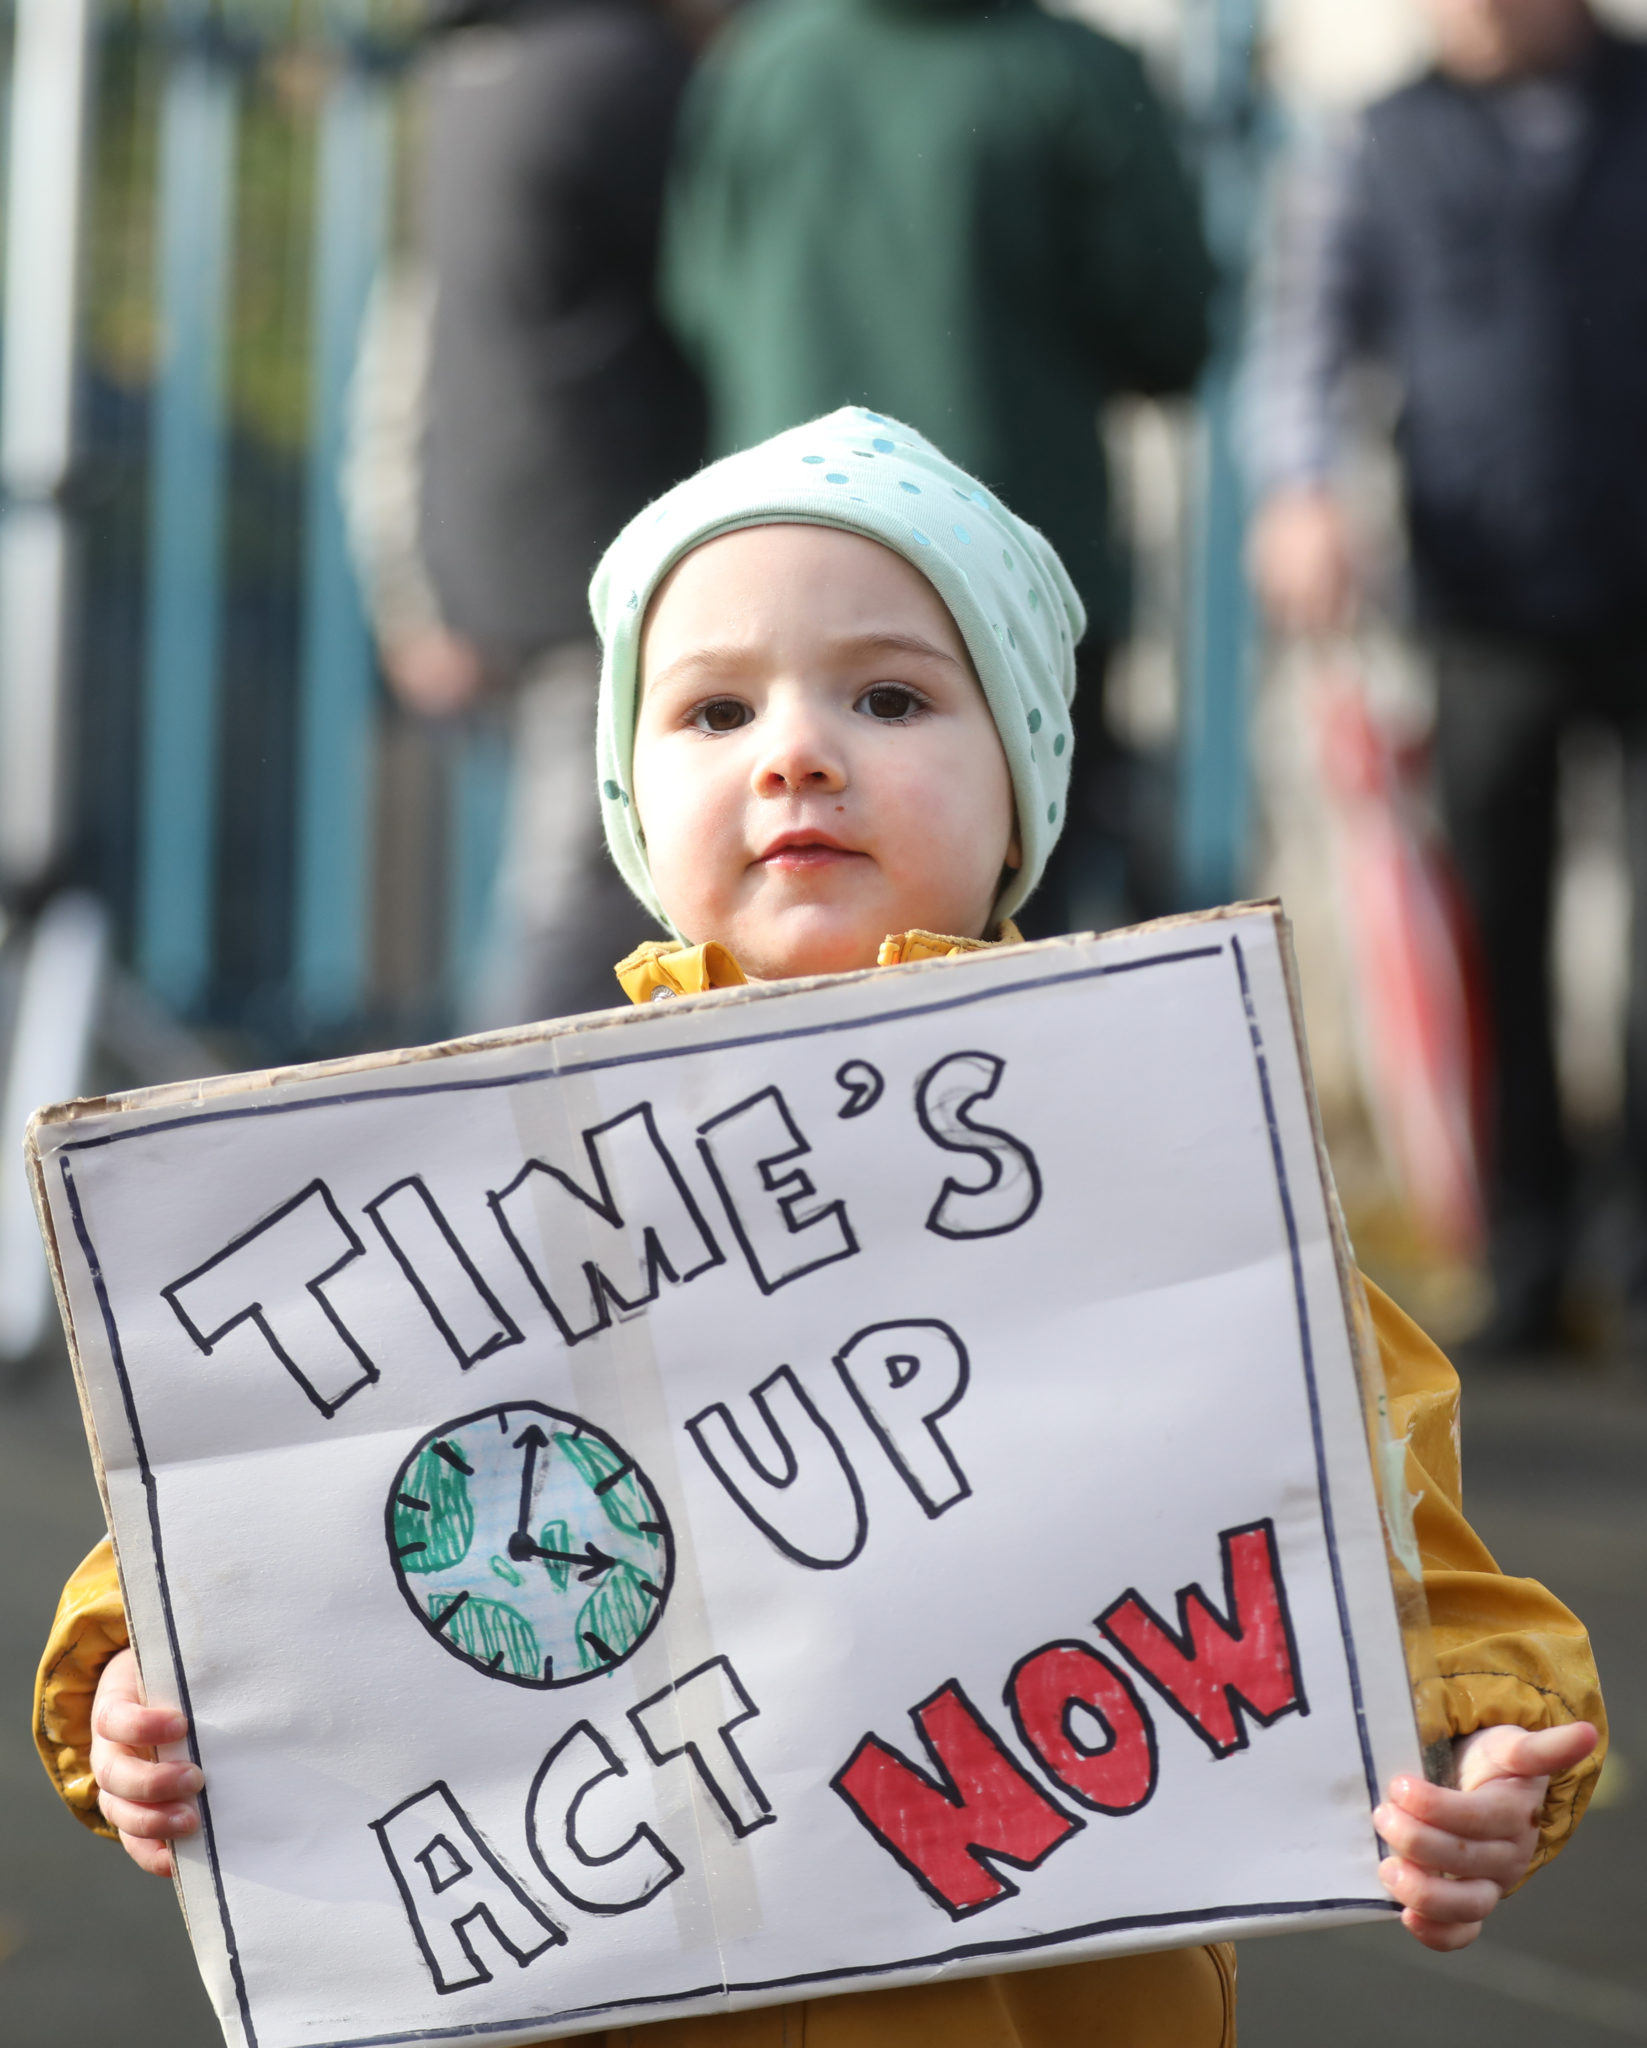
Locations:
(1005, 588)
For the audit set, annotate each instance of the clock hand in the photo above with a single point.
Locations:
(591, 1563)
(532, 1440)
(591, 1559)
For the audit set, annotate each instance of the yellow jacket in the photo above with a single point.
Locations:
(1508, 1652)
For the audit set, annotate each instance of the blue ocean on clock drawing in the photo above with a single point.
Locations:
(530, 1544)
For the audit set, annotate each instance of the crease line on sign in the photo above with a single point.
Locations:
(710, 1891)
(606, 1378)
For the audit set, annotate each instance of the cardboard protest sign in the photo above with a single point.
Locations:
(793, 1491)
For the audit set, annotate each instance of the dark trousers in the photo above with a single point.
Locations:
(1504, 704)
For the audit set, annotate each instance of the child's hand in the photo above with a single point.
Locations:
(1455, 1854)
(149, 1804)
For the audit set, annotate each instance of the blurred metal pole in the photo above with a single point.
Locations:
(479, 815)
(43, 224)
(194, 241)
(1214, 772)
(335, 742)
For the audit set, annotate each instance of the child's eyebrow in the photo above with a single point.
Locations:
(728, 662)
(895, 643)
(721, 662)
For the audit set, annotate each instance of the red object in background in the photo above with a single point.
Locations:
(1414, 967)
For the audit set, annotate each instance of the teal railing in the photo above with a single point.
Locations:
(216, 738)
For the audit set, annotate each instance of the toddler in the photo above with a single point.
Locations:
(834, 732)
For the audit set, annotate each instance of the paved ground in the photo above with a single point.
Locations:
(1556, 1481)
(1557, 1474)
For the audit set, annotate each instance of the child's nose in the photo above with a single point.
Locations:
(800, 753)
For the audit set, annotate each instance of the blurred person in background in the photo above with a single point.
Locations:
(519, 401)
(1483, 234)
(971, 216)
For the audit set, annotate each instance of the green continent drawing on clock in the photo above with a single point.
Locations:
(530, 1544)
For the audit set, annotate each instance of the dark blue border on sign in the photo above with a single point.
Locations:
(1328, 1525)
(1022, 1944)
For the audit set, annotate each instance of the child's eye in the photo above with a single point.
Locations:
(892, 703)
(721, 714)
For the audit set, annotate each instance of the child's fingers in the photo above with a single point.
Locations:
(120, 1713)
(126, 1776)
(148, 1823)
(1440, 1849)
(1497, 1810)
(1449, 1901)
(1442, 1935)
(154, 1857)
(149, 1804)
(1455, 1853)
(129, 1722)
(1493, 1753)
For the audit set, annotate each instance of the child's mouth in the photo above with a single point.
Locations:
(799, 852)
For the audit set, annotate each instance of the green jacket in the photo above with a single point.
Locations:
(965, 213)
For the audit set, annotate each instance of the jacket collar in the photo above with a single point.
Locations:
(663, 968)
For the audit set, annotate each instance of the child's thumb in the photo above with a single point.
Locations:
(1523, 1753)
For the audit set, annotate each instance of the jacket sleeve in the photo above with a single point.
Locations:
(89, 1630)
(1508, 1651)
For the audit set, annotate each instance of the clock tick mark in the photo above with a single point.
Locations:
(407, 1549)
(600, 1649)
(647, 1586)
(453, 1459)
(446, 1613)
(492, 1663)
(650, 1528)
(410, 1500)
(606, 1485)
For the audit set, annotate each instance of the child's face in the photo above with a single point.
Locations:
(815, 764)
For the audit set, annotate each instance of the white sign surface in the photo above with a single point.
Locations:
(794, 1491)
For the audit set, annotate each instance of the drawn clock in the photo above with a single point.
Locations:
(529, 1544)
